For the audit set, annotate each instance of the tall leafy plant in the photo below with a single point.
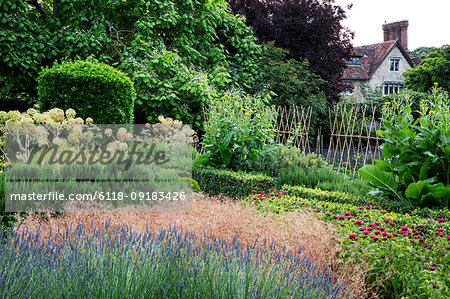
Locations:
(417, 150)
(236, 129)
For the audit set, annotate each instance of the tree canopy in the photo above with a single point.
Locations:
(308, 29)
(434, 68)
(176, 51)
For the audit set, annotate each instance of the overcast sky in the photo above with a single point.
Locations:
(429, 20)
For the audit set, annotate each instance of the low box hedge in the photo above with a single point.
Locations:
(404, 207)
(229, 183)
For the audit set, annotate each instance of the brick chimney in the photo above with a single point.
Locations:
(397, 31)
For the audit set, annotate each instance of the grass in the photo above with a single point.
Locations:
(229, 219)
(117, 262)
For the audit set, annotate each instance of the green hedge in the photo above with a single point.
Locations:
(229, 183)
(2, 193)
(93, 89)
(403, 207)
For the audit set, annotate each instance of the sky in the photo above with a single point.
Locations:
(429, 20)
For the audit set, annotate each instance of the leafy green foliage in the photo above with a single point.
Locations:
(434, 68)
(91, 88)
(380, 179)
(293, 167)
(290, 79)
(421, 51)
(275, 158)
(229, 183)
(416, 150)
(292, 83)
(177, 52)
(194, 184)
(236, 129)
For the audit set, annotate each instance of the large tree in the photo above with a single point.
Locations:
(308, 29)
(434, 68)
(176, 51)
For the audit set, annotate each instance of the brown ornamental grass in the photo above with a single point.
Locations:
(228, 219)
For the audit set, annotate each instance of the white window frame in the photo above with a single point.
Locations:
(392, 87)
(394, 64)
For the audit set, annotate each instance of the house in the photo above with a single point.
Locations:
(379, 67)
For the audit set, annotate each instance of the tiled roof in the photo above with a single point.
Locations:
(371, 58)
(416, 60)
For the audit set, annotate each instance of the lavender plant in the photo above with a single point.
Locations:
(116, 262)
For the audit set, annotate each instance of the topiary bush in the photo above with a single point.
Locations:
(93, 89)
(229, 183)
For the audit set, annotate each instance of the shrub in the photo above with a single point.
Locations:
(323, 178)
(236, 129)
(416, 150)
(233, 184)
(293, 167)
(93, 89)
(118, 262)
(274, 158)
(404, 206)
(32, 116)
(407, 255)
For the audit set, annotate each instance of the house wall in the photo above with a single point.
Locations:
(358, 96)
(383, 74)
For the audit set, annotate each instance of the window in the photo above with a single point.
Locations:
(348, 87)
(354, 61)
(394, 64)
(392, 87)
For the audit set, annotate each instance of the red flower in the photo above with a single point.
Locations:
(368, 207)
(377, 223)
(253, 191)
(349, 217)
(284, 192)
(360, 208)
(361, 228)
(377, 232)
(271, 189)
(392, 223)
(376, 207)
(421, 225)
(366, 232)
(404, 228)
(383, 212)
(375, 238)
(429, 220)
(382, 228)
(414, 230)
(352, 236)
(441, 220)
(359, 222)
